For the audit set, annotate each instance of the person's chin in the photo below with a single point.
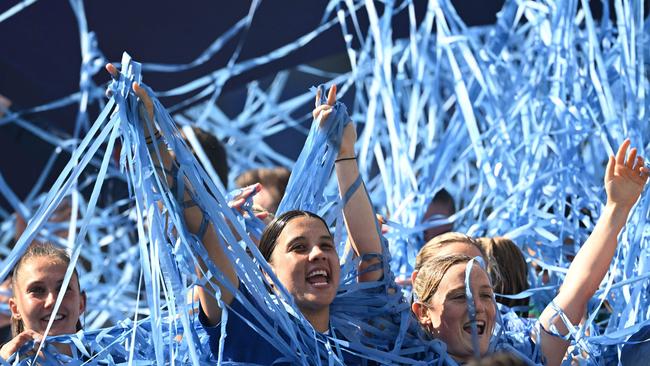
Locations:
(59, 329)
(317, 301)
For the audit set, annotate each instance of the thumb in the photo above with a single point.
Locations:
(609, 172)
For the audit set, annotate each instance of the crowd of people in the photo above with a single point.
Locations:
(461, 285)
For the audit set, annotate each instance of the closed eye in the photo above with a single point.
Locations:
(457, 297)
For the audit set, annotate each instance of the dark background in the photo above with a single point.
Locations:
(41, 57)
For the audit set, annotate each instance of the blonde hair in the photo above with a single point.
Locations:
(431, 273)
(507, 268)
(37, 250)
(431, 248)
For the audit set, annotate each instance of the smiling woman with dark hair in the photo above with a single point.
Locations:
(301, 253)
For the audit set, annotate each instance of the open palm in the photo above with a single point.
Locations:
(625, 178)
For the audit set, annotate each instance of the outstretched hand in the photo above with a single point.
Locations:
(625, 178)
(346, 150)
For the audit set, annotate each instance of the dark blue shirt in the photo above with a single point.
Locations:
(244, 345)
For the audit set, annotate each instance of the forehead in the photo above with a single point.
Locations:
(459, 248)
(306, 226)
(41, 268)
(455, 278)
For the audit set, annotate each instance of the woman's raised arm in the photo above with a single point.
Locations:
(360, 219)
(624, 182)
(193, 217)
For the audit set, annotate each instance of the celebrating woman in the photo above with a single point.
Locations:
(464, 314)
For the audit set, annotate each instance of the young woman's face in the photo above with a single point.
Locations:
(38, 284)
(306, 262)
(448, 317)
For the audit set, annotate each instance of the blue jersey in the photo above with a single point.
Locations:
(245, 345)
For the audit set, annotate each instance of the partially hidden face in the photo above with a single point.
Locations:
(447, 317)
(38, 284)
(306, 262)
(437, 208)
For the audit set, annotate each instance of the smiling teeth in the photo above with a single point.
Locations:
(57, 317)
(318, 272)
(480, 326)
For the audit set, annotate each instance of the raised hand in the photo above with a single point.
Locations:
(625, 178)
(624, 182)
(346, 150)
(140, 92)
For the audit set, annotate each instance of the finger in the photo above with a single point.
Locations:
(631, 159)
(262, 215)
(255, 187)
(331, 96)
(645, 172)
(260, 212)
(237, 203)
(115, 74)
(324, 116)
(318, 110)
(620, 155)
(317, 102)
(641, 168)
(144, 97)
(609, 172)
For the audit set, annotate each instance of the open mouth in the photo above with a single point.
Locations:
(56, 318)
(480, 327)
(318, 278)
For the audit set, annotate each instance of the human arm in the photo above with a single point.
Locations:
(193, 217)
(359, 215)
(624, 182)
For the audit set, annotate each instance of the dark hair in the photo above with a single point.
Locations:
(269, 238)
(35, 250)
(444, 198)
(442, 201)
(215, 152)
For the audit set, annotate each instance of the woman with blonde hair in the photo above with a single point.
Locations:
(455, 297)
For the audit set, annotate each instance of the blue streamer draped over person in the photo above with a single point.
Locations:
(515, 120)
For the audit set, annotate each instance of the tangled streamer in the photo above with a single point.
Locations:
(515, 120)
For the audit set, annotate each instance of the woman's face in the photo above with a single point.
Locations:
(306, 262)
(446, 314)
(37, 287)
